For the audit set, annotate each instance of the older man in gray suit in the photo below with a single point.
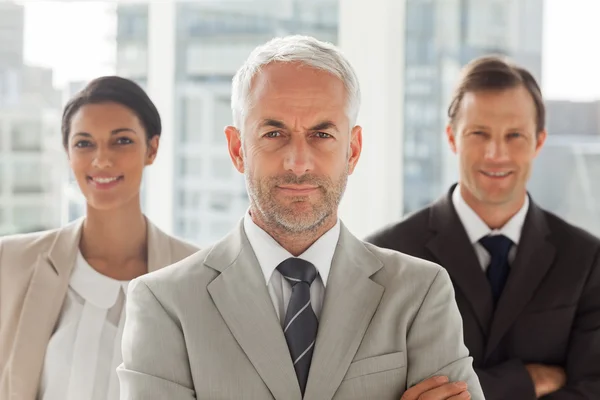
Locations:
(290, 304)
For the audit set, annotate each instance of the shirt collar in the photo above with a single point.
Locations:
(92, 286)
(270, 254)
(477, 229)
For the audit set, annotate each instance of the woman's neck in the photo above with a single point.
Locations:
(117, 235)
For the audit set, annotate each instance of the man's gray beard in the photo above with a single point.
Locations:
(280, 217)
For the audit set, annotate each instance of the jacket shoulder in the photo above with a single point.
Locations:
(182, 271)
(571, 239)
(400, 262)
(20, 253)
(182, 248)
(559, 226)
(27, 243)
(412, 227)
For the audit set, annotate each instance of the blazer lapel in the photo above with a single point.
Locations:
(240, 294)
(41, 310)
(453, 251)
(351, 299)
(159, 248)
(534, 257)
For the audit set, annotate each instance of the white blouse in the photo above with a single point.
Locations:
(85, 348)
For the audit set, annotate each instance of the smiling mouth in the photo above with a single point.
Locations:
(496, 174)
(101, 181)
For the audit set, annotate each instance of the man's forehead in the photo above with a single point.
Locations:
(292, 76)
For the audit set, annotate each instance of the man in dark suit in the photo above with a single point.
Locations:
(527, 283)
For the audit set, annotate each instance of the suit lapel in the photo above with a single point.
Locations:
(453, 251)
(241, 296)
(534, 257)
(351, 299)
(41, 310)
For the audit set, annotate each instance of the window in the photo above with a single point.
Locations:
(221, 202)
(222, 168)
(218, 229)
(192, 115)
(27, 177)
(132, 22)
(76, 210)
(189, 228)
(190, 167)
(223, 118)
(189, 199)
(2, 178)
(26, 136)
(28, 218)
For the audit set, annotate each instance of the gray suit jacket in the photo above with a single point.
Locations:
(206, 328)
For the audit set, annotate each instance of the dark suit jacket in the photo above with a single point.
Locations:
(549, 311)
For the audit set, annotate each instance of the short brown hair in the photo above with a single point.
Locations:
(494, 73)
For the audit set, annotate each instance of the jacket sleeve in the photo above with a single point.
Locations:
(435, 340)
(155, 362)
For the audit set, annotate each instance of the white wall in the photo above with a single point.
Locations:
(372, 37)
(161, 88)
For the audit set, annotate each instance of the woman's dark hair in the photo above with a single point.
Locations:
(114, 89)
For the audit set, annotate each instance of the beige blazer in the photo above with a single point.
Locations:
(34, 278)
(206, 328)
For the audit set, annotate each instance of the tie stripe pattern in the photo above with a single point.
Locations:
(300, 325)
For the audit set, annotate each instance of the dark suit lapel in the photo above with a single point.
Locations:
(452, 249)
(534, 257)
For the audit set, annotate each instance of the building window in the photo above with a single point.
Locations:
(26, 136)
(2, 178)
(189, 199)
(132, 24)
(192, 114)
(190, 167)
(188, 228)
(218, 229)
(222, 168)
(221, 202)
(223, 118)
(27, 177)
(28, 218)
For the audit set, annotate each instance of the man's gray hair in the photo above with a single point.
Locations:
(302, 49)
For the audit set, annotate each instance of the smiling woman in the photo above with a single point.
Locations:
(111, 131)
(64, 310)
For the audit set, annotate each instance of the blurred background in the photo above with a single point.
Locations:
(407, 53)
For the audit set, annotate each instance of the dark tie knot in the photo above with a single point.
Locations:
(296, 270)
(497, 245)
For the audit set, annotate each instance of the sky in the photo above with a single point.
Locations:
(74, 38)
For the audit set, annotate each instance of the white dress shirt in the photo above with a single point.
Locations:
(85, 348)
(477, 229)
(270, 254)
